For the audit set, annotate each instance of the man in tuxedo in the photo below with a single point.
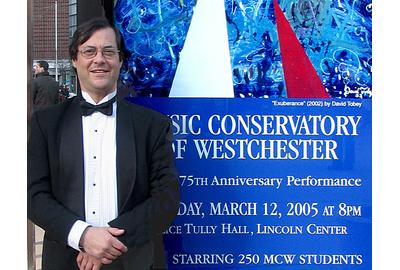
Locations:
(101, 176)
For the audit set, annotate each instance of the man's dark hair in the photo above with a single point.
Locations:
(86, 30)
(43, 64)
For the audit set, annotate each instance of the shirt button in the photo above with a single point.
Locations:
(94, 184)
(94, 157)
(95, 130)
(93, 212)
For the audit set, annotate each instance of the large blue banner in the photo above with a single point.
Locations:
(278, 177)
(271, 183)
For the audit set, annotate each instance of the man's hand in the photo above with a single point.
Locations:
(101, 242)
(88, 262)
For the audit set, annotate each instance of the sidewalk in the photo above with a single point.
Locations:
(39, 233)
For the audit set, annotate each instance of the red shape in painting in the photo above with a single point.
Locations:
(302, 81)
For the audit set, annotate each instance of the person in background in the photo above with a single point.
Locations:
(102, 181)
(45, 88)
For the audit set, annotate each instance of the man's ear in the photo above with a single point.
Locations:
(74, 63)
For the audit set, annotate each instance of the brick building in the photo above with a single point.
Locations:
(44, 36)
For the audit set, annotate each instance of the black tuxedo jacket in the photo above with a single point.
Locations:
(148, 196)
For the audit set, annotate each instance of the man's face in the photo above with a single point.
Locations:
(98, 74)
(37, 69)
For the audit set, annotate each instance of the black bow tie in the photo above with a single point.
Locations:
(105, 108)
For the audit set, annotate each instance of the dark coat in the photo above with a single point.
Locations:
(45, 91)
(148, 195)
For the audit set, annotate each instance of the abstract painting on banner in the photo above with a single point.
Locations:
(276, 48)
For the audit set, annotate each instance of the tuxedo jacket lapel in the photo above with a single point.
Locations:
(71, 170)
(126, 154)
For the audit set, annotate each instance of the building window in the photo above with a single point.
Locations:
(72, 20)
(71, 31)
(72, 9)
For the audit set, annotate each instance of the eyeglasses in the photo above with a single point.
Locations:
(91, 52)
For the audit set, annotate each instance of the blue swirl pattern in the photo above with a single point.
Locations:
(336, 35)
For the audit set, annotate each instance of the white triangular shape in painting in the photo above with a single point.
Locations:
(204, 68)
